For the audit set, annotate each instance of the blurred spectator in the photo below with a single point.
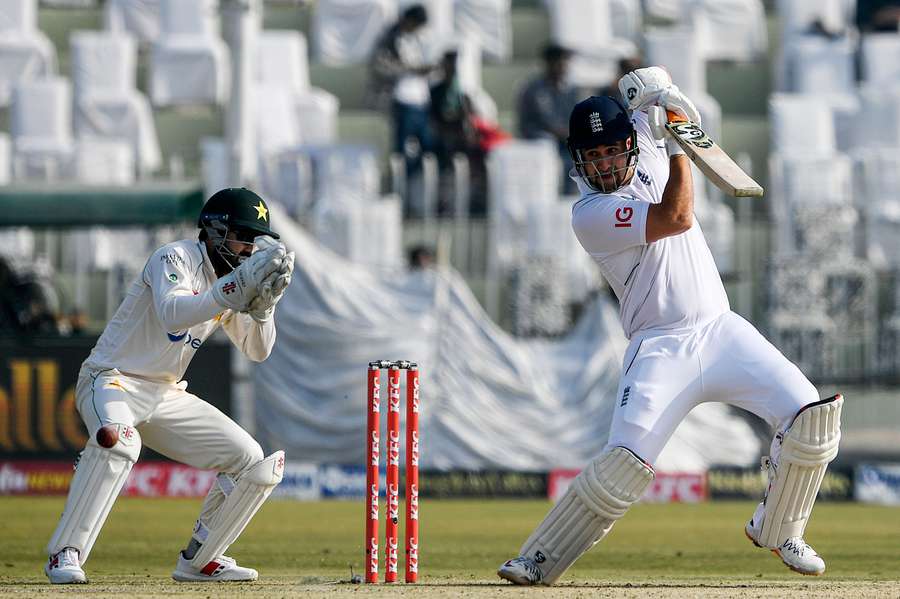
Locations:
(421, 257)
(28, 303)
(818, 27)
(76, 322)
(453, 122)
(546, 102)
(626, 65)
(878, 15)
(399, 78)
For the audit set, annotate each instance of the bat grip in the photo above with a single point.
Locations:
(674, 118)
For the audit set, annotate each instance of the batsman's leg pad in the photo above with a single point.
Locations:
(99, 476)
(599, 495)
(808, 445)
(252, 488)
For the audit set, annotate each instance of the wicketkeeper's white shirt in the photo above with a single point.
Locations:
(167, 314)
(672, 283)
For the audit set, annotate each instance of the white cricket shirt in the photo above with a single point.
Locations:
(672, 283)
(167, 314)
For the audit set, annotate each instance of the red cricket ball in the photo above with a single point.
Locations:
(108, 435)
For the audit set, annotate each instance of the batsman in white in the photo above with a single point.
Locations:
(635, 218)
(130, 390)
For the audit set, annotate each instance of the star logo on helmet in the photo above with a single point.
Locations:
(596, 123)
(261, 211)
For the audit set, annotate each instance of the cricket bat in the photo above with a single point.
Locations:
(711, 159)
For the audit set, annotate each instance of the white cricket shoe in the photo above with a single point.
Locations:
(794, 552)
(63, 568)
(521, 570)
(221, 569)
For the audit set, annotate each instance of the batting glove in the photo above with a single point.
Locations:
(652, 86)
(641, 88)
(674, 101)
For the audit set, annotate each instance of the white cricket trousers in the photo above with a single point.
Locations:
(171, 421)
(667, 373)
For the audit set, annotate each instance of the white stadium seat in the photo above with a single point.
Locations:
(137, 17)
(817, 180)
(488, 21)
(585, 27)
(797, 16)
(99, 161)
(676, 49)
(468, 64)
(799, 324)
(803, 17)
(276, 124)
(189, 62)
(812, 204)
(730, 29)
(345, 31)
(25, 52)
(878, 198)
(522, 177)
(801, 124)
(18, 16)
(282, 59)
(878, 121)
(722, 29)
(815, 64)
(42, 129)
(627, 19)
(107, 102)
(282, 64)
(881, 58)
(5, 159)
(346, 229)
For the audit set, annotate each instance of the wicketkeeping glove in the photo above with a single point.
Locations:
(238, 288)
(271, 290)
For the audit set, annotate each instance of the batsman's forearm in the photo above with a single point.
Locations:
(678, 196)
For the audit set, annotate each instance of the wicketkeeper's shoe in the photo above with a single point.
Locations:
(794, 552)
(64, 568)
(521, 570)
(221, 569)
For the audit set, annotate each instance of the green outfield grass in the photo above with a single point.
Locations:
(300, 548)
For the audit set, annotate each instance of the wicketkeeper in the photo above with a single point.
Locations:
(130, 390)
(636, 219)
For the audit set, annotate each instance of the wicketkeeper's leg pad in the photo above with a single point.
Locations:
(599, 495)
(252, 488)
(99, 477)
(807, 447)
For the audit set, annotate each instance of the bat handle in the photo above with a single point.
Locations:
(674, 118)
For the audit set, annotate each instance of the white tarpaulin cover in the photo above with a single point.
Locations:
(489, 401)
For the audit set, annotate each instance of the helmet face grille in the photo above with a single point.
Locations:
(217, 229)
(602, 121)
(596, 173)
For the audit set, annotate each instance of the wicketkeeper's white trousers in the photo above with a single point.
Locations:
(171, 421)
(667, 373)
